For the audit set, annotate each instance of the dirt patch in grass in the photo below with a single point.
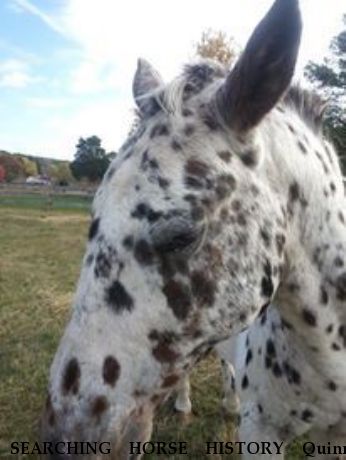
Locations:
(63, 218)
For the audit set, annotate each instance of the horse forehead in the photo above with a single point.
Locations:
(160, 148)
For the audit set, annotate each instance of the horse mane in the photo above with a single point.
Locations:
(308, 105)
(196, 76)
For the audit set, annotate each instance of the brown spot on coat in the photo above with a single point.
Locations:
(225, 155)
(249, 158)
(170, 380)
(99, 406)
(215, 258)
(197, 168)
(203, 288)
(71, 377)
(164, 353)
(178, 298)
(225, 185)
(111, 370)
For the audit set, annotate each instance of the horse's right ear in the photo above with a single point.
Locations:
(264, 70)
(145, 82)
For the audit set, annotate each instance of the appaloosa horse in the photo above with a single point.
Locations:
(225, 202)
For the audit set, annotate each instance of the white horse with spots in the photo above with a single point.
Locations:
(225, 202)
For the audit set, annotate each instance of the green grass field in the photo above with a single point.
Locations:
(47, 202)
(41, 251)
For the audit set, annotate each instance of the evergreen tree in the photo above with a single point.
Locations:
(330, 77)
(91, 160)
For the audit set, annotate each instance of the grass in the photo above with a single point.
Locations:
(46, 202)
(39, 263)
(41, 252)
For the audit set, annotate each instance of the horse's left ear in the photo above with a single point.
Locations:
(145, 82)
(264, 70)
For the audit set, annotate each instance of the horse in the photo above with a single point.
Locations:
(221, 216)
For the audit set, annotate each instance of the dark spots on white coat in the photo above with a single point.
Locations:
(118, 298)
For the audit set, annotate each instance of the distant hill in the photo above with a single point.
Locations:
(18, 166)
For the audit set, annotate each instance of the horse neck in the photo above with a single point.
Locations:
(305, 173)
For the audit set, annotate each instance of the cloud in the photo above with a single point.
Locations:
(52, 22)
(110, 120)
(56, 133)
(103, 41)
(47, 102)
(17, 51)
(112, 38)
(317, 35)
(15, 74)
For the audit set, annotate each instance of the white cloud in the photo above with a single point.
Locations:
(322, 20)
(26, 5)
(47, 102)
(15, 74)
(92, 76)
(18, 52)
(108, 120)
(57, 135)
(110, 35)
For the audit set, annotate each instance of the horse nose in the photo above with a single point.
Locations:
(56, 452)
(59, 456)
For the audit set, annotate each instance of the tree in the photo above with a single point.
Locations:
(111, 155)
(12, 166)
(330, 78)
(215, 45)
(91, 160)
(29, 166)
(60, 173)
(2, 174)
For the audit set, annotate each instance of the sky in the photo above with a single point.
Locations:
(66, 66)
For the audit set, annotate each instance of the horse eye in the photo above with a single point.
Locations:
(177, 236)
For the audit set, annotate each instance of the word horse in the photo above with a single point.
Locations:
(223, 211)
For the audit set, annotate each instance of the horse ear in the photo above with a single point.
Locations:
(145, 82)
(264, 69)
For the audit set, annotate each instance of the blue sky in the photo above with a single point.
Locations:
(66, 66)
